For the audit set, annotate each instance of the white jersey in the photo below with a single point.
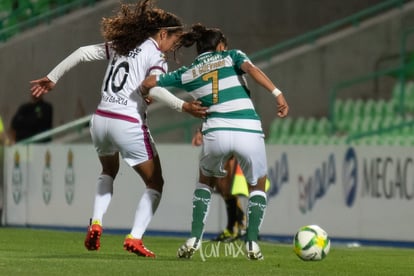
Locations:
(119, 124)
(124, 75)
(122, 78)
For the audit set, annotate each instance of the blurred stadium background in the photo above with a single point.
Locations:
(346, 67)
(336, 61)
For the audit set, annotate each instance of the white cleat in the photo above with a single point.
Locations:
(253, 251)
(186, 251)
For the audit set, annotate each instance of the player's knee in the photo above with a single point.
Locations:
(156, 183)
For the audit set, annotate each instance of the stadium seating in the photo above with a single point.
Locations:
(14, 12)
(378, 122)
(408, 96)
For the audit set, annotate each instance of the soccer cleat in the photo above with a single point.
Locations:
(186, 251)
(226, 236)
(93, 236)
(239, 231)
(137, 247)
(253, 251)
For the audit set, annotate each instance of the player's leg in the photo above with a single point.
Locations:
(235, 215)
(104, 190)
(109, 159)
(256, 208)
(138, 150)
(252, 160)
(201, 206)
(151, 173)
(240, 220)
(215, 152)
(103, 196)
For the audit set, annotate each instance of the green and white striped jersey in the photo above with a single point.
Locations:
(215, 79)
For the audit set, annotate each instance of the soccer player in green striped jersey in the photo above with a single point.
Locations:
(231, 128)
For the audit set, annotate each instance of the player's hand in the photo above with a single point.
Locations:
(41, 86)
(282, 106)
(194, 108)
(148, 100)
(143, 90)
(197, 138)
(147, 84)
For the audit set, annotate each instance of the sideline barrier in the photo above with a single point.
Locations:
(359, 193)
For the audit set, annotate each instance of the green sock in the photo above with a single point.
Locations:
(201, 204)
(255, 210)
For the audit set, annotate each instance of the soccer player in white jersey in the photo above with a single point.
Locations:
(137, 38)
(232, 127)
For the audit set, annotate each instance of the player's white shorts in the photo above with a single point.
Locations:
(249, 149)
(132, 139)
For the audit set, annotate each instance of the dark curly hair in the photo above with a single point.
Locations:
(134, 23)
(206, 39)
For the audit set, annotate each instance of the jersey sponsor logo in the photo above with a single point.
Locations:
(17, 179)
(278, 175)
(350, 176)
(387, 177)
(315, 187)
(47, 179)
(69, 179)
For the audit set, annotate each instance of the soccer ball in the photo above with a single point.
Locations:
(311, 243)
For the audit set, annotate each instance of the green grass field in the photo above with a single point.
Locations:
(41, 252)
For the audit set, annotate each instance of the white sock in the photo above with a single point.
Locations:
(145, 211)
(103, 196)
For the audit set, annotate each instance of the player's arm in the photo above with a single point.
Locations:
(149, 88)
(172, 79)
(163, 95)
(261, 78)
(159, 68)
(82, 54)
(147, 84)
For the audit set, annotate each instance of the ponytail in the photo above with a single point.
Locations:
(206, 39)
